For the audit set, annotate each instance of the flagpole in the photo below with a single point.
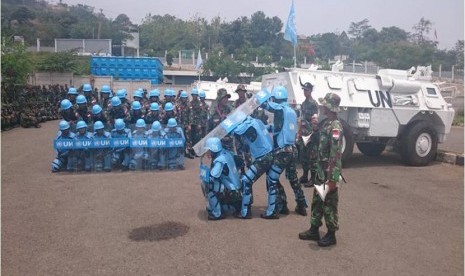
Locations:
(295, 58)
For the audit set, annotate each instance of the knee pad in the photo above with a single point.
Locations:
(251, 173)
(273, 174)
(57, 164)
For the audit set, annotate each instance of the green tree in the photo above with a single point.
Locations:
(16, 63)
(356, 29)
(58, 62)
(421, 29)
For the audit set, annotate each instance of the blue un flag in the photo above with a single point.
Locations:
(290, 34)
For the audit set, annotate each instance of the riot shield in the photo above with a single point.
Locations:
(233, 119)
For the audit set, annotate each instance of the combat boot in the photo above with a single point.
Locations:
(301, 209)
(304, 178)
(274, 215)
(311, 234)
(328, 239)
(247, 216)
(284, 210)
(211, 217)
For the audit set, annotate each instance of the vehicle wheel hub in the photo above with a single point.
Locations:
(423, 144)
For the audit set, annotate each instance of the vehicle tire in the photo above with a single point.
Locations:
(371, 149)
(419, 144)
(347, 141)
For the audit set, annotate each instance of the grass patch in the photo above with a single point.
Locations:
(458, 119)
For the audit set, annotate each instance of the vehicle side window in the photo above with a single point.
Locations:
(431, 91)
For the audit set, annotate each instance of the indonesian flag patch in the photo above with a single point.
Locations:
(336, 134)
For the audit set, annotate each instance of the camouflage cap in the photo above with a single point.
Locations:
(222, 93)
(331, 101)
(241, 87)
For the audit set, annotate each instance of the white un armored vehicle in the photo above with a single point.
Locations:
(400, 108)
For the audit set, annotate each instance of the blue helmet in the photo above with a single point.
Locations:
(81, 99)
(81, 124)
(119, 124)
(115, 101)
(65, 104)
(156, 126)
(194, 91)
(87, 87)
(98, 125)
(136, 105)
(72, 91)
(105, 89)
(154, 93)
(137, 93)
(154, 107)
(202, 94)
(183, 94)
(140, 123)
(169, 107)
(214, 144)
(169, 93)
(64, 125)
(96, 109)
(172, 122)
(280, 93)
(121, 93)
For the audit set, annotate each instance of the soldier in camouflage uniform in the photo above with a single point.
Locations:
(153, 114)
(219, 113)
(28, 118)
(83, 112)
(105, 96)
(195, 118)
(307, 152)
(88, 93)
(185, 122)
(204, 113)
(328, 172)
(118, 111)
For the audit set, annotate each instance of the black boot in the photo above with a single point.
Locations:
(247, 216)
(328, 239)
(304, 178)
(272, 216)
(301, 209)
(311, 234)
(211, 217)
(284, 210)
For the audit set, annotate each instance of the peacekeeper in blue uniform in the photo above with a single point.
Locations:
(102, 156)
(121, 155)
(83, 157)
(174, 156)
(254, 134)
(139, 156)
(156, 155)
(62, 158)
(284, 130)
(223, 191)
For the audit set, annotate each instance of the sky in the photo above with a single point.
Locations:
(312, 16)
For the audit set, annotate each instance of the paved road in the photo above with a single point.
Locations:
(394, 220)
(454, 141)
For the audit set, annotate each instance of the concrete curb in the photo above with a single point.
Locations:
(449, 157)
